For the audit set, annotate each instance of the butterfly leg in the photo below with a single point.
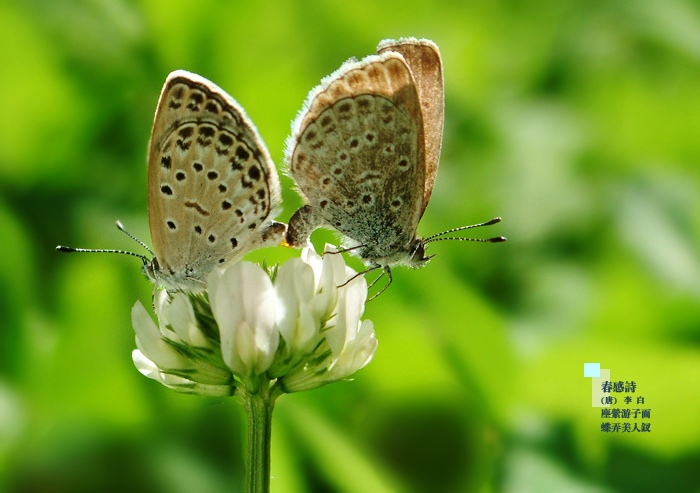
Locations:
(386, 271)
(302, 223)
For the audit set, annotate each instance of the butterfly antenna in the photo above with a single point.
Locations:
(441, 237)
(121, 228)
(144, 259)
(67, 249)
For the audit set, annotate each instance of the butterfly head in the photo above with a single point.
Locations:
(417, 257)
(150, 269)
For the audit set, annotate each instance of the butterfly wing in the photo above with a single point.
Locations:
(356, 154)
(423, 58)
(212, 187)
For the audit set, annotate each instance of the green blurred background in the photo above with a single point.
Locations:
(577, 121)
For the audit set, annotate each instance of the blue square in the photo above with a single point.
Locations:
(591, 370)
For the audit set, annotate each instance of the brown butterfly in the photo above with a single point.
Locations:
(364, 152)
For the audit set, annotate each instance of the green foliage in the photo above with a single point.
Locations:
(576, 121)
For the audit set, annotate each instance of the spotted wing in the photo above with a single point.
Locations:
(212, 188)
(356, 153)
(424, 60)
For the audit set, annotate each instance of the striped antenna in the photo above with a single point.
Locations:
(441, 237)
(120, 226)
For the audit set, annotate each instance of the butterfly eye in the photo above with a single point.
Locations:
(417, 252)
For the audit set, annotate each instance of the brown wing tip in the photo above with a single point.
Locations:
(387, 44)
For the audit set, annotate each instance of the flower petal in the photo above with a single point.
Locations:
(179, 315)
(351, 303)
(356, 354)
(243, 302)
(150, 341)
(295, 288)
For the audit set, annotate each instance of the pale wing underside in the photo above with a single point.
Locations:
(423, 58)
(356, 153)
(212, 187)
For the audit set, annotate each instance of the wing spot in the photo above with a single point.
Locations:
(403, 164)
(197, 166)
(222, 188)
(206, 132)
(178, 92)
(171, 225)
(254, 173)
(166, 190)
(323, 203)
(225, 140)
(186, 132)
(176, 99)
(226, 205)
(184, 141)
(211, 238)
(194, 205)
(234, 242)
(369, 176)
(242, 154)
(212, 107)
(196, 99)
(251, 226)
(179, 176)
(165, 162)
(367, 199)
(212, 175)
(198, 229)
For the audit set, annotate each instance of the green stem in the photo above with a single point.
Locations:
(258, 409)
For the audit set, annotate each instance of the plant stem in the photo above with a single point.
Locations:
(258, 409)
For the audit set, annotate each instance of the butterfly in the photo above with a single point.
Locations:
(213, 189)
(364, 152)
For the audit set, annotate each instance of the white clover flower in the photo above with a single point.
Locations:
(298, 330)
